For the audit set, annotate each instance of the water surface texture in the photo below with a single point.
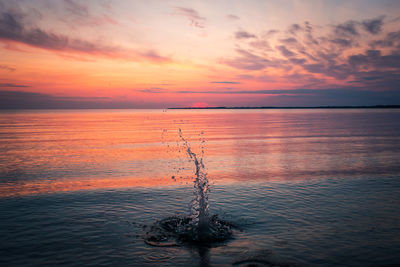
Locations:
(301, 187)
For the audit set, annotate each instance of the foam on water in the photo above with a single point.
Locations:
(177, 231)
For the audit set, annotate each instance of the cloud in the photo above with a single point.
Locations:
(153, 90)
(374, 58)
(294, 28)
(301, 91)
(244, 35)
(77, 8)
(79, 98)
(12, 85)
(194, 17)
(16, 99)
(308, 27)
(342, 42)
(298, 61)
(247, 61)
(348, 28)
(289, 41)
(77, 15)
(321, 56)
(154, 56)
(379, 79)
(328, 96)
(338, 71)
(260, 45)
(272, 32)
(225, 82)
(373, 26)
(8, 68)
(232, 17)
(341, 97)
(257, 92)
(32, 100)
(12, 28)
(286, 52)
(392, 39)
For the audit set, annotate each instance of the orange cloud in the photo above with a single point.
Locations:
(14, 31)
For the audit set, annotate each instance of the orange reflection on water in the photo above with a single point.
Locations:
(76, 184)
(41, 150)
(49, 186)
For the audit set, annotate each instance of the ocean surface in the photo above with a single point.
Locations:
(305, 187)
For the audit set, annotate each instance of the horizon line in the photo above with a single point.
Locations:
(293, 107)
(223, 107)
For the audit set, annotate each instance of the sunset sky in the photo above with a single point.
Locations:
(159, 54)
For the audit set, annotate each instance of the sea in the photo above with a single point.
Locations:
(297, 187)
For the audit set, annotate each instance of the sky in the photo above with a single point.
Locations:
(160, 54)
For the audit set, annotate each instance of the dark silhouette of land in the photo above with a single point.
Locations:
(317, 107)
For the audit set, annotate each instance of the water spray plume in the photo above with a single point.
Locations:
(199, 206)
(199, 227)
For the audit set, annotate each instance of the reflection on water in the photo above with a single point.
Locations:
(303, 187)
(46, 151)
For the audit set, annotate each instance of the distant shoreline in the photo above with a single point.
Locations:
(115, 108)
(317, 107)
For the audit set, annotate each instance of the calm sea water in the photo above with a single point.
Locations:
(303, 187)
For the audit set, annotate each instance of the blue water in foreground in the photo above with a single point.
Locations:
(302, 188)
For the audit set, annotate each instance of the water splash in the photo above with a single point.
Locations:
(199, 211)
(176, 231)
(199, 227)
